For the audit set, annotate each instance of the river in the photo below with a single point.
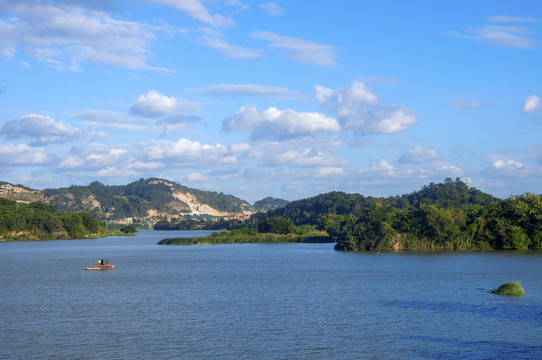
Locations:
(262, 301)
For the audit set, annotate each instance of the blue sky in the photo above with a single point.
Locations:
(287, 99)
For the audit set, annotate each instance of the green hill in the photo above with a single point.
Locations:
(145, 199)
(20, 221)
(449, 194)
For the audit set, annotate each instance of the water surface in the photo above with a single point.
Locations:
(262, 301)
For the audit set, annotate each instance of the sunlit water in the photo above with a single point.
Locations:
(262, 301)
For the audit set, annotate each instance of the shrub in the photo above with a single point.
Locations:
(510, 288)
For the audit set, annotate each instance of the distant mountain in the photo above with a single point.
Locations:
(145, 199)
(270, 203)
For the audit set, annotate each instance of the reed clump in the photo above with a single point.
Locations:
(511, 288)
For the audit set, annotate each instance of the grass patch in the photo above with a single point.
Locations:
(511, 288)
(229, 238)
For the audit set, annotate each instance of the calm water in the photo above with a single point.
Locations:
(266, 301)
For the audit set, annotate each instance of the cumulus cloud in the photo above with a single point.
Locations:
(507, 164)
(466, 104)
(298, 49)
(275, 124)
(22, 155)
(94, 158)
(196, 10)
(382, 167)
(330, 172)
(357, 106)
(114, 172)
(63, 35)
(250, 90)
(185, 152)
(306, 158)
(154, 104)
(531, 103)
(196, 177)
(41, 130)
(418, 155)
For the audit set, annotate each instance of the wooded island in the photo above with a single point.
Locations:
(445, 216)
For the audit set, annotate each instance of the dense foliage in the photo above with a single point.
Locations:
(512, 288)
(43, 221)
(450, 194)
(269, 203)
(196, 223)
(245, 237)
(514, 223)
(275, 229)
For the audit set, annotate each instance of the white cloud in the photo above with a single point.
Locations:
(531, 103)
(109, 120)
(466, 104)
(501, 35)
(215, 40)
(22, 155)
(272, 8)
(330, 172)
(188, 153)
(41, 130)
(418, 155)
(298, 49)
(195, 10)
(382, 167)
(507, 164)
(278, 124)
(250, 90)
(357, 107)
(196, 177)
(306, 158)
(153, 105)
(114, 172)
(504, 18)
(64, 35)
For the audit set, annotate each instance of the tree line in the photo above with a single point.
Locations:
(19, 221)
(514, 223)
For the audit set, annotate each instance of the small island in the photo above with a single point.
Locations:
(267, 230)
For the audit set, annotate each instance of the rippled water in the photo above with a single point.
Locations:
(262, 301)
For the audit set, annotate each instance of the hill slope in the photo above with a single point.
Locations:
(445, 195)
(145, 199)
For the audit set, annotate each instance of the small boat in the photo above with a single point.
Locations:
(101, 265)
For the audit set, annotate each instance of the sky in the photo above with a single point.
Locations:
(288, 99)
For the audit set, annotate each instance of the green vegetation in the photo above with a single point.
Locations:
(199, 223)
(237, 238)
(514, 223)
(267, 230)
(19, 221)
(448, 195)
(512, 288)
(269, 203)
(137, 199)
(129, 229)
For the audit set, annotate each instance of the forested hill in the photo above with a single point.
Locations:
(145, 198)
(19, 221)
(449, 194)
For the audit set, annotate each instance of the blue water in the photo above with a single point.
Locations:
(262, 301)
